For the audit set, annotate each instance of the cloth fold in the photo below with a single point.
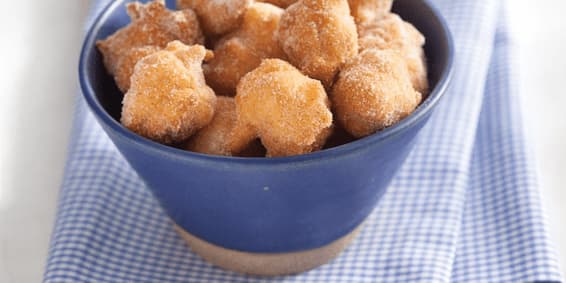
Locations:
(464, 208)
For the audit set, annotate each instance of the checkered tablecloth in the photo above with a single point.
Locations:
(464, 208)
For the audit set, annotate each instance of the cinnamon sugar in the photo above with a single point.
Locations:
(288, 111)
(318, 36)
(373, 91)
(168, 99)
(241, 51)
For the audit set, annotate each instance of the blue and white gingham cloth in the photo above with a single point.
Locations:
(464, 208)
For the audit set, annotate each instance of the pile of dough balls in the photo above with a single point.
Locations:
(279, 77)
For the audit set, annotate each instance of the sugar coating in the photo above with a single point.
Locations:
(391, 32)
(214, 138)
(373, 92)
(287, 110)
(217, 16)
(152, 25)
(241, 51)
(168, 99)
(369, 10)
(127, 62)
(280, 3)
(318, 36)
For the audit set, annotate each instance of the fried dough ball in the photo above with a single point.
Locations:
(280, 3)
(391, 32)
(318, 36)
(217, 16)
(125, 65)
(369, 10)
(152, 25)
(214, 138)
(287, 110)
(242, 51)
(373, 92)
(168, 99)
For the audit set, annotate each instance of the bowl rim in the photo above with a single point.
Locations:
(350, 148)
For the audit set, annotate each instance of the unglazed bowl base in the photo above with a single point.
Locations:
(267, 264)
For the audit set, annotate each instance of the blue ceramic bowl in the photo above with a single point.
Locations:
(263, 205)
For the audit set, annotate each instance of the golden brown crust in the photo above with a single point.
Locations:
(288, 111)
(373, 92)
(214, 138)
(168, 99)
(217, 16)
(318, 36)
(152, 25)
(391, 32)
(127, 62)
(369, 10)
(242, 51)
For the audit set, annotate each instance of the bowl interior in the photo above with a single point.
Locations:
(102, 93)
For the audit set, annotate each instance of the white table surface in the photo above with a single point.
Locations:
(39, 45)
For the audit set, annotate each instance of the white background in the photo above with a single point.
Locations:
(39, 43)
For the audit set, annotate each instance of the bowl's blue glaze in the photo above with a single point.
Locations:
(259, 204)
